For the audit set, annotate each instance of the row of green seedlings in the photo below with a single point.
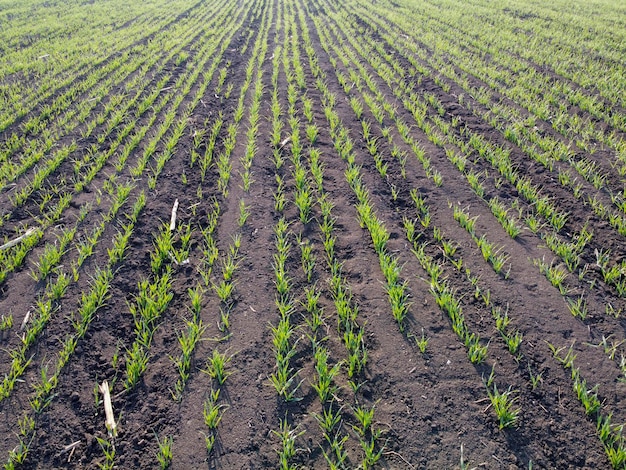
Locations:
(476, 66)
(152, 146)
(107, 444)
(323, 385)
(396, 289)
(66, 79)
(571, 126)
(206, 158)
(179, 128)
(497, 208)
(189, 338)
(512, 339)
(347, 312)
(253, 129)
(147, 313)
(498, 157)
(284, 379)
(52, 253)
(613, 274)
(152, 299)
(216, 364)
(340, 288)
(35, 322)
(378, 106)
(372, 142)
(226, 286)
(476, 351)
(492, 254)
(419, 110)
(557, 275)
(16, 250)
(330, 419)
(611, 352)
(92, 175)
(303, 196)
(583, 131)
(298, 69)
(15, 253)
(503, 403)
(52, 108)
(213, 410)
(223, 163)
(570, 252)
(61, 154)
(610, 435)
(571, 256)
(544, 149)
(121, 115)
(551, 148)
(186, 81)
(35, 149)
(284, 348)
(86, 169)
(91, 302)
(590, 172)
(182, 121)
(446, 297)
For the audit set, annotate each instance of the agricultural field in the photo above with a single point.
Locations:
(314, 234)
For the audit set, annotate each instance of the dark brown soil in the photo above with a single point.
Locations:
(432, 409)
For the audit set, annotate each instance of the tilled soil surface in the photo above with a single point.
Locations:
(317, 62)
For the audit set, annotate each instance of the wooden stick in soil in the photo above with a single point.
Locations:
(15, 241)
(25, 321)
(108, 409)
(173, 218)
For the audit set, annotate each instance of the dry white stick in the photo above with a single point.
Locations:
(173, 219)
(108, 409)
(15, 241)
(25, 321)
(69, 457)
(69, 447)
(284, 142)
